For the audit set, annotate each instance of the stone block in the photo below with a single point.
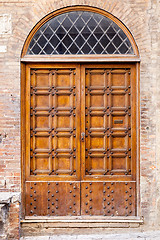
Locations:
(5, 24)
(3, 48)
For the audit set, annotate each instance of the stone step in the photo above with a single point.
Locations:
(152, 235)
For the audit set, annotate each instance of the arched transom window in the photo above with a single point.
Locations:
(80, 32)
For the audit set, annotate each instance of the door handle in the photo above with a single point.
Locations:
(82, 136)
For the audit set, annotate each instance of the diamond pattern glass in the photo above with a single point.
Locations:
(80, 32)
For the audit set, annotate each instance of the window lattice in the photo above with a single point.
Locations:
(80, 32)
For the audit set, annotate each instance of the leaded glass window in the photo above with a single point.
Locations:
(80, 32)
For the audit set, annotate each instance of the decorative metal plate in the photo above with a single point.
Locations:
(80, 32)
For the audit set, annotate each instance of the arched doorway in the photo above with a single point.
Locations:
(80, 117)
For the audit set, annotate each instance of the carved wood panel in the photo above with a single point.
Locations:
(53, 122)
(107, 122)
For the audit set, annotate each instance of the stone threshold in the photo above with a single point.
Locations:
(82, 222)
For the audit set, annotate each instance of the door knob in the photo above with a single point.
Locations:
(82, 136)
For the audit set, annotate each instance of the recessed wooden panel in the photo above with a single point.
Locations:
(41, 121)
(96, 142)
(97, 163)
(64, 121)
(97, 77)
(64, 163)
(119, 142)
(63, 101)
(64, 142)
(42, 163)
(97, 121)
(42, 142)
(119, 162)
(119, 121)
(118, 100)
(42, 101)
(42, 78)
(97, 100)
(64, 78)
(118, 78)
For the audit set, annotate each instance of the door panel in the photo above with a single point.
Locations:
(109, 118)
(80, 140)
(108, 185)
(54, 123)
(52, 134)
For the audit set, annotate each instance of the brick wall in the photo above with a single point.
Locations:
(12, 227)
(142, 17)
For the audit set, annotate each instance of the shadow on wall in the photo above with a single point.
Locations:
(4, 208)
(158, 211)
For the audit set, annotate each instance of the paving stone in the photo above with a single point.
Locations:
(152, 235)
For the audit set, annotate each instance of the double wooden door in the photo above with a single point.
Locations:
(80, 140)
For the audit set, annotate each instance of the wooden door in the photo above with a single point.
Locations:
(80, 156)
(108, 169)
